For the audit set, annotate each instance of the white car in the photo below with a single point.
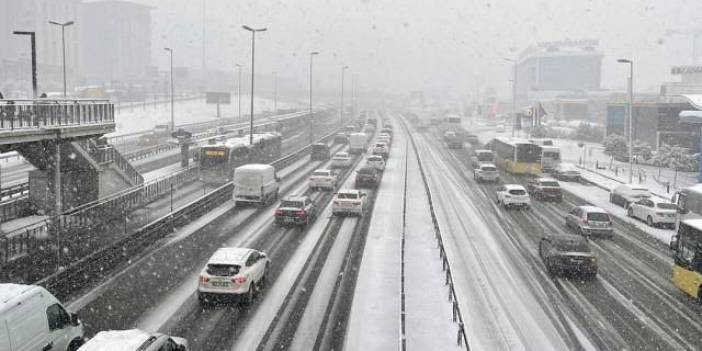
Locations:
(513, 195)
(626, 194)
(376, 162)
(134, 340)
(323, 179)
(486, 172)
(381, 149)
(384, 138)
(654, 211)
(233, 272)
(349, 201)
(341, 160)
(566, 172)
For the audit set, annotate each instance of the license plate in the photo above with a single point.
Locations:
(220, 284)
(288, 220)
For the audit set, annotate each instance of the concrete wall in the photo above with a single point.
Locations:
(77, 187)
(111, 182)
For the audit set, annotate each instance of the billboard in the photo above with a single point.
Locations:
(219, 98)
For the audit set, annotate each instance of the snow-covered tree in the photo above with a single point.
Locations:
(615, 146)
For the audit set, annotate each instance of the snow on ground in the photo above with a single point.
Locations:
(141, 119)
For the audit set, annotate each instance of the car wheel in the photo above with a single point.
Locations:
(250, 295)
(649, 221)
(580, 231)
(630, 212)
(550, 269)
(611, 198)
(699, 295)
(264, 278)
(76, 344)
(626, 204)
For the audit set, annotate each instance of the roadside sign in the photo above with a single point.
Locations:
(219, 98)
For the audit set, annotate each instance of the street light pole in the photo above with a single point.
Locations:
(311, 119)
(341, 105)
(253, 52)
(33, 43)
(514, 94)
(170, 51)
(238, 90)
(63, 45)
(630, 115)
(275, 93)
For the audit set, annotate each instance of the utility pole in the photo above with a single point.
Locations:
(341, 105)
(170, 50)
(63, 45)
(238, 90)
(253, 52)
(311, 116)
(33, 43)
(275, 93)
(630, 115)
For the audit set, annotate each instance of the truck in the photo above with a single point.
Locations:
(255, 184)
(358, 143)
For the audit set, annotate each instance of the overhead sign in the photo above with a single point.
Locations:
(685, 69)
(219, 98)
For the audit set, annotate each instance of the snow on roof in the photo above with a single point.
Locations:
(244, 140)
(592, 209)
(229, 255)
(514, 187)
(254, 167)
(116, 340)
(10, 291)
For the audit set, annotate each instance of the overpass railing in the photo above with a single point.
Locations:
(42, 113)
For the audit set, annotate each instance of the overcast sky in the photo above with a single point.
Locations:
(401, 45)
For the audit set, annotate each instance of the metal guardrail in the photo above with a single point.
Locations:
(42, 113)
(14, 190)
(15, 208)
(461, 337)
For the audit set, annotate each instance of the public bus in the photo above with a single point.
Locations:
(687, 259)
(218, 160)
(689, 202)
(517, 156)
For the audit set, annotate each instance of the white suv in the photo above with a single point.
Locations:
(486, 172)
(233, 272)
(134, 340)
(323, 179)
(348, 201)
(513, 195)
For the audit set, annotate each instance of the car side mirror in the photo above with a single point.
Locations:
(75, 321)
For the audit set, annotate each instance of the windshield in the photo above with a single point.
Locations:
(350, 196)
(488, 169)
(551, 184)
(222, 270)
(598, 217)
(321, 173)
(666, 206)
(517, 192)
(566, 245)
(291, 203)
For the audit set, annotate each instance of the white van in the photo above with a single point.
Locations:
(255, 184)
(134, 340)
(358, 142)
(32, 319)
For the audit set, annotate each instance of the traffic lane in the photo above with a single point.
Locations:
(510, 307)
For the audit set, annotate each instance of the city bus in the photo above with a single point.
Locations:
(687, 259)
(689, 202)
(517, 156)
(218, 160)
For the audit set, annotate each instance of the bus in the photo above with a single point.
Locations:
(689, 202)
(218, 160)
(453, 119)
(687, 259)
(517, 156)
(550, 157)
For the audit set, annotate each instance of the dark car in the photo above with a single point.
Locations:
(367, 177)
(320, 152)
(566, 253)
(545, 189)
(295, 210)
(341, 138)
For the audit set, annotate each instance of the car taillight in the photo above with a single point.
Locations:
(300, 213)
(278, 212)
(203, 280)
(583, 221)
(357, 204)
(239, 279)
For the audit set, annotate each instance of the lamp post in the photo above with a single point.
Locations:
(630, 115)
(33, 43)
(514, 93)
(253, 52)
(275, 93)
(341, 107)
(170, 51)
(238, 89)
(63, 44)
(312, 54)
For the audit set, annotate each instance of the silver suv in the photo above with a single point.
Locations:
(590, 220)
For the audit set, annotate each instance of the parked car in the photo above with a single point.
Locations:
(566, 172)
(367, 177)
(295, 210)
(480, 156)
(349, 201)
(31, 318)
(323, 179)
(255, 184)
(565, 253)
(486, 172)
(545, 189)
(590, 220)
(513, 195)
(381, 149)
(376, 162)
(320, 152)
(233, 272)
(134, 340)
(654, 212)
(341, 138)
(623, 195)
(341, 160)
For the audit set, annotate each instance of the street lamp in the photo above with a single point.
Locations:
(312, 54)
(514, 93)
(341, 107)
(275, 93)
(253, 51)
(63, 44)
(238, 89)
(170, 51)
(630, 115)
(33, 42)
